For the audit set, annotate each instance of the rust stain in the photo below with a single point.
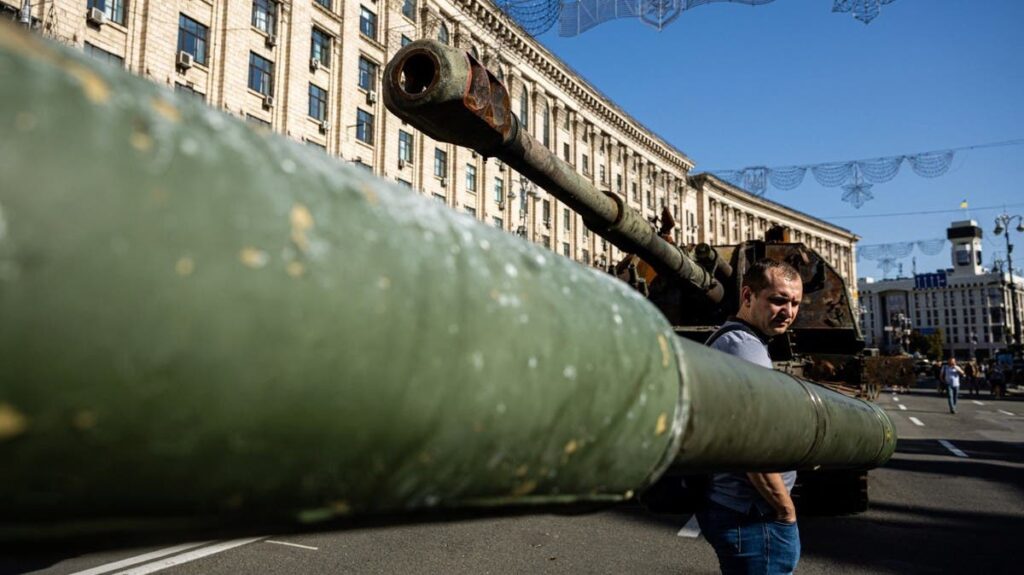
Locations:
(166, 109)
(295, 269)
(12, 422)
(663, 344)
(94, 87)
(522, 470)
(185, 266)
(524, 488)
(571, 447)
(254, 258)
(302, 222)
(662, 426)
(84, 420)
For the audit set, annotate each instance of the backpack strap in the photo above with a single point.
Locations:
(735, 326)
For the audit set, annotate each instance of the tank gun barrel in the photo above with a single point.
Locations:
(450, 96)
(204, 324)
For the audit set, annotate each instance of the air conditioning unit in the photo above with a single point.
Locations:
(268, 101)
(547, 222)
(501, 206)
(96, 16)
(500, 165)
(185, 60)
(371, 97)
(314, 64)
(511, 195)
(401, 164)
(444, 182)
(271, 40)
(325, 126)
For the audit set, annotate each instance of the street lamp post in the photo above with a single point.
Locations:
(1003, 222)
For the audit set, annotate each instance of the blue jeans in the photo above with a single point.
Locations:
(952, 391)
(750, 543)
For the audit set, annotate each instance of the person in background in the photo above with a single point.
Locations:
(950, 376)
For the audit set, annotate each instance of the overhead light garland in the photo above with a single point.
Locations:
(577, 16)
(887, 255)
(855, 176)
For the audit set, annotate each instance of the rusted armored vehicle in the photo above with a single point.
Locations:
(452, 97)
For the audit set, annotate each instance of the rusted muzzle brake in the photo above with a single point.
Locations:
(450, 96)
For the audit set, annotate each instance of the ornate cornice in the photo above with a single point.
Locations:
(530, 51)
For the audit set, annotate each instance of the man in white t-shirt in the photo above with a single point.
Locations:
(950, 375)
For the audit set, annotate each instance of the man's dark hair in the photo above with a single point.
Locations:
(757, 276)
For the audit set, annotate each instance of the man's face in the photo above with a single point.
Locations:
(773, 309)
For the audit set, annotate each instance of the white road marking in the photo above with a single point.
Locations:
(190, 556)
(976, 402)
(894, 398)
(291, 544)
(1004, 412)
(903, 407)
(144, 558)
(916, 421)
(691, 530)
(952, 448)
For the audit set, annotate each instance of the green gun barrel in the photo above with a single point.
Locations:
(204, 324)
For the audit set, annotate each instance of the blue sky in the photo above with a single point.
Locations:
(790, 82)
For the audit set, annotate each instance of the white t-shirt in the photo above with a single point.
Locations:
(951, 375)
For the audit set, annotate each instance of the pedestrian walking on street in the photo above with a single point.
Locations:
(971, 375)
(950, 376)
(749, 518)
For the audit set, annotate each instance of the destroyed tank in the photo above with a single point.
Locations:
(210, 327)
(452, 97)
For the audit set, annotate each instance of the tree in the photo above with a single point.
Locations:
(929, 345)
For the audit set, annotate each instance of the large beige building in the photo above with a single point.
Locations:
(311, 69)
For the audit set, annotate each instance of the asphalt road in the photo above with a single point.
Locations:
(950, 501)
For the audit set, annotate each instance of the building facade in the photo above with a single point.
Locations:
(311, 69)
(970, 305)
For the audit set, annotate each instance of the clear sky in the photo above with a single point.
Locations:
(790, 82)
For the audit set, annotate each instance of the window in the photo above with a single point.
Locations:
(471, 178)
(364, 126)
(316, 145)
(367, 23)
(499, 190)
(189, 91)
(317, 102)
(586, 257)
(257, 121)
(524, 109)
(546, 211)
(192, 37)
(586, 165)
(634, 193)
(470, 210)
(618, 183)
(404, 183)
(261, 74)
(101, 54)
(442, 34)
(565, 152)
(565, 119)
(440, 163)
(114, 9)
(367, 74)
(546, 240)
(405, 146)
(566, 219)
(604, 174)
(547, 127)
(405, 41)
(440, 198)
(566, 250)
(324, 3)
(498, 222)
(409, 9)
(320, 48)
(264, 15)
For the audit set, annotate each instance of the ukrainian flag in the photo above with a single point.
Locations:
(963, 205)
